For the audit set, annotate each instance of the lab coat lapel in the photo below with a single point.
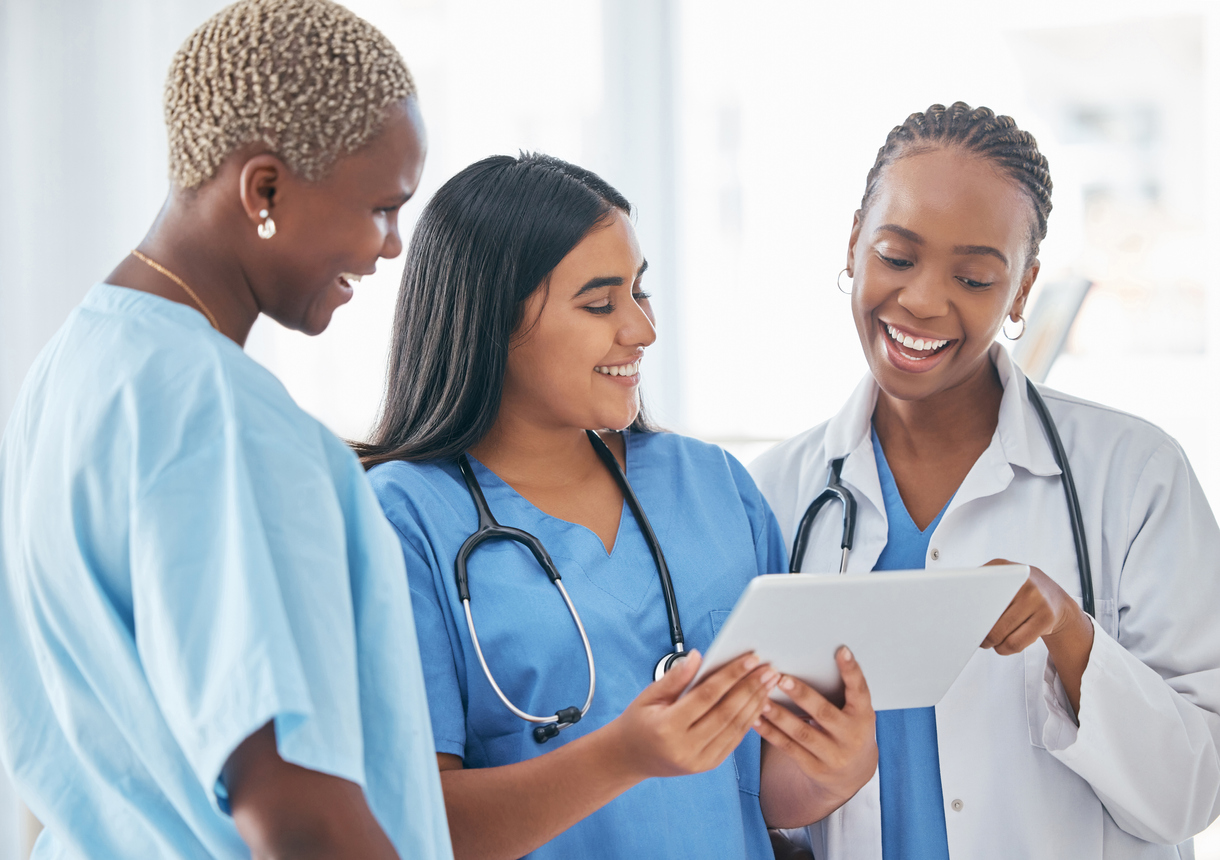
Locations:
(848, 434)
(1018, 440)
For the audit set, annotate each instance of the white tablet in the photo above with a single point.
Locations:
(912, 631)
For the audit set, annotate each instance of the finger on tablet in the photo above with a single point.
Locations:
(820, 709)
(1017, 611)
(704, 696)
(858, 697)
(807, 745)
(1026, 634)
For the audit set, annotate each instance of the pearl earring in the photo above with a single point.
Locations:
(267, 229)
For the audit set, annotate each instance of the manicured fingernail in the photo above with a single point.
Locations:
(769, 677)
(847, 655)
(787, 683)
(752, 661)
(758, 722)
(766, 707)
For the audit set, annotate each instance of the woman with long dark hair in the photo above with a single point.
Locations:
(513, 399)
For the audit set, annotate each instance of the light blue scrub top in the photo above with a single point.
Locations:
(717, 533)
(186, 555)
(912, 806)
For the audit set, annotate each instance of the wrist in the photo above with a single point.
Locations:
(1074, 624)
(616, 755)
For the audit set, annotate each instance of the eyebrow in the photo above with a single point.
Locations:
(598, 283)
(964, 250)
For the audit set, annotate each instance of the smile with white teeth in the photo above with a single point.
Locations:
(915, 343)
(620, 369)
(350, 278)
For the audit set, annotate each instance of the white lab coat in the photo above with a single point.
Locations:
(1141, 773)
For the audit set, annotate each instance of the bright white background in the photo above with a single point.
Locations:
(742, 132)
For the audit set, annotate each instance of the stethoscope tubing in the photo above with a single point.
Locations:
(489, 529)
(584, 638)
(834, 490)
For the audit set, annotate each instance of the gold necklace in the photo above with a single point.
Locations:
(177, 280)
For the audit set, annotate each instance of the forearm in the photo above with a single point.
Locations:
(788, 797)
(285, 811)
(325, 834)
(1070, 649)
(508, 811)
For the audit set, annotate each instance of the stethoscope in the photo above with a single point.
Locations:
(550, 726)
(835, 491)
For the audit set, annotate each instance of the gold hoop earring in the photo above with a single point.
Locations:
(1017, 336)
(267, 229)
(839, 283)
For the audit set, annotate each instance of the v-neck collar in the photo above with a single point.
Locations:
(888, 482)
(489, 480)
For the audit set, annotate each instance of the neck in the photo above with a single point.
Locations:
(530, 454)
(193, 243)
(961, 418)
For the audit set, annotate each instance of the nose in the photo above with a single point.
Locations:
(392, 246)
(926, 295)
(639, 326)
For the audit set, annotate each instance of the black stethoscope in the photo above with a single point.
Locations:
(489, 529)
(836, 491)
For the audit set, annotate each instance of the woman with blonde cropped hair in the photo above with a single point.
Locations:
(206, 628)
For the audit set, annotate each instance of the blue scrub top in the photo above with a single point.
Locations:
(912, 805)
(717, 533)
(185, 556)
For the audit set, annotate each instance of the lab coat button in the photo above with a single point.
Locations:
(935, 555)
(957, 805)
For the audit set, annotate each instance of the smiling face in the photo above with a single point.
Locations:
(938, 260)
(575, 359)
(338, 226)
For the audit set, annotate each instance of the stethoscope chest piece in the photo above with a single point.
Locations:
(667, 662)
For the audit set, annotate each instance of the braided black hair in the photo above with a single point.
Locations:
(980, 132)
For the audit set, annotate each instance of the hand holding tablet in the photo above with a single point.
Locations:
(912, 632)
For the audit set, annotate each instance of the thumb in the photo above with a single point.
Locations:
(673, 682)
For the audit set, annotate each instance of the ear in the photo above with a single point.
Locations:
(857, 221)
(260, 176)
(1027, 283)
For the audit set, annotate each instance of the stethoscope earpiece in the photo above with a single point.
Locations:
(563, 719)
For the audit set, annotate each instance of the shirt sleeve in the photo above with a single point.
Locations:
(242, 599)
(437, 644)
(768, 537)
(1149, 730)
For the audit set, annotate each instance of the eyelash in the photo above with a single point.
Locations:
(608, 308)
(906, 264)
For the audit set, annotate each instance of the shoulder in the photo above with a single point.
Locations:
(411, 493)
(693, 463)
(686, 455)
(674, 447)
(1107, 435)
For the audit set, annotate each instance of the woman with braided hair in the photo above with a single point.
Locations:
(206, 629)
(1067, 735)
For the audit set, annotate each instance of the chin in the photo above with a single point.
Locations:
(620, 421)
(314, 326)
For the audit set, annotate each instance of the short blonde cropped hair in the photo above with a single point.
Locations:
(308, 78)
